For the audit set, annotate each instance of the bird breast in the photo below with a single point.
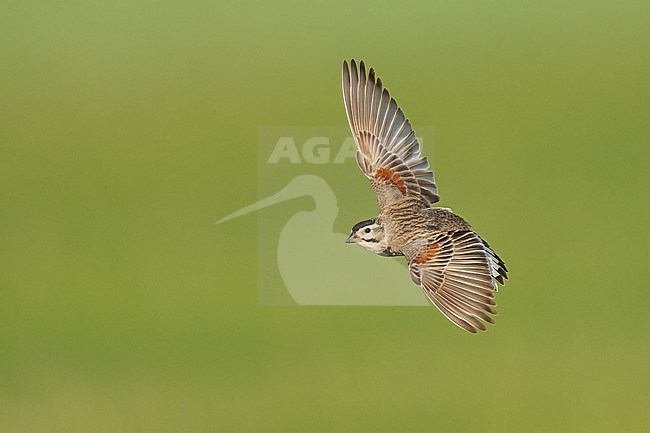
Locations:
(405, 222)
(408, 224)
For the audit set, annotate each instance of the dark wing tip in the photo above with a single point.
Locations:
(371, 75)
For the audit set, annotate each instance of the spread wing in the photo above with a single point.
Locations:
(459, 272)
(388, 152)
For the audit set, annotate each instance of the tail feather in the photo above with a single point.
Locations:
(497, 266)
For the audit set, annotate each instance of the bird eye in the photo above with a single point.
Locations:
(367, 230)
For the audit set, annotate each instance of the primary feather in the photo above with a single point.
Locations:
(388, 152)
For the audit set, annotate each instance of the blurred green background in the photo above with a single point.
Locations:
(128, 128)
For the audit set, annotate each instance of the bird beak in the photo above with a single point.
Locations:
(350, 239)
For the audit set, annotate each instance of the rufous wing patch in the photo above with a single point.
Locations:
(388, 175)
(427, 254)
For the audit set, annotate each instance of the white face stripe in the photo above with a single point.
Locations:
(367, 233)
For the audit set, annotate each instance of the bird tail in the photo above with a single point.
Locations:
(497, 266)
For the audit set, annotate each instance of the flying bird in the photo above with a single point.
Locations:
(457, 270)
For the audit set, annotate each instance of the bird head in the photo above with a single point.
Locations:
(369, 234)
